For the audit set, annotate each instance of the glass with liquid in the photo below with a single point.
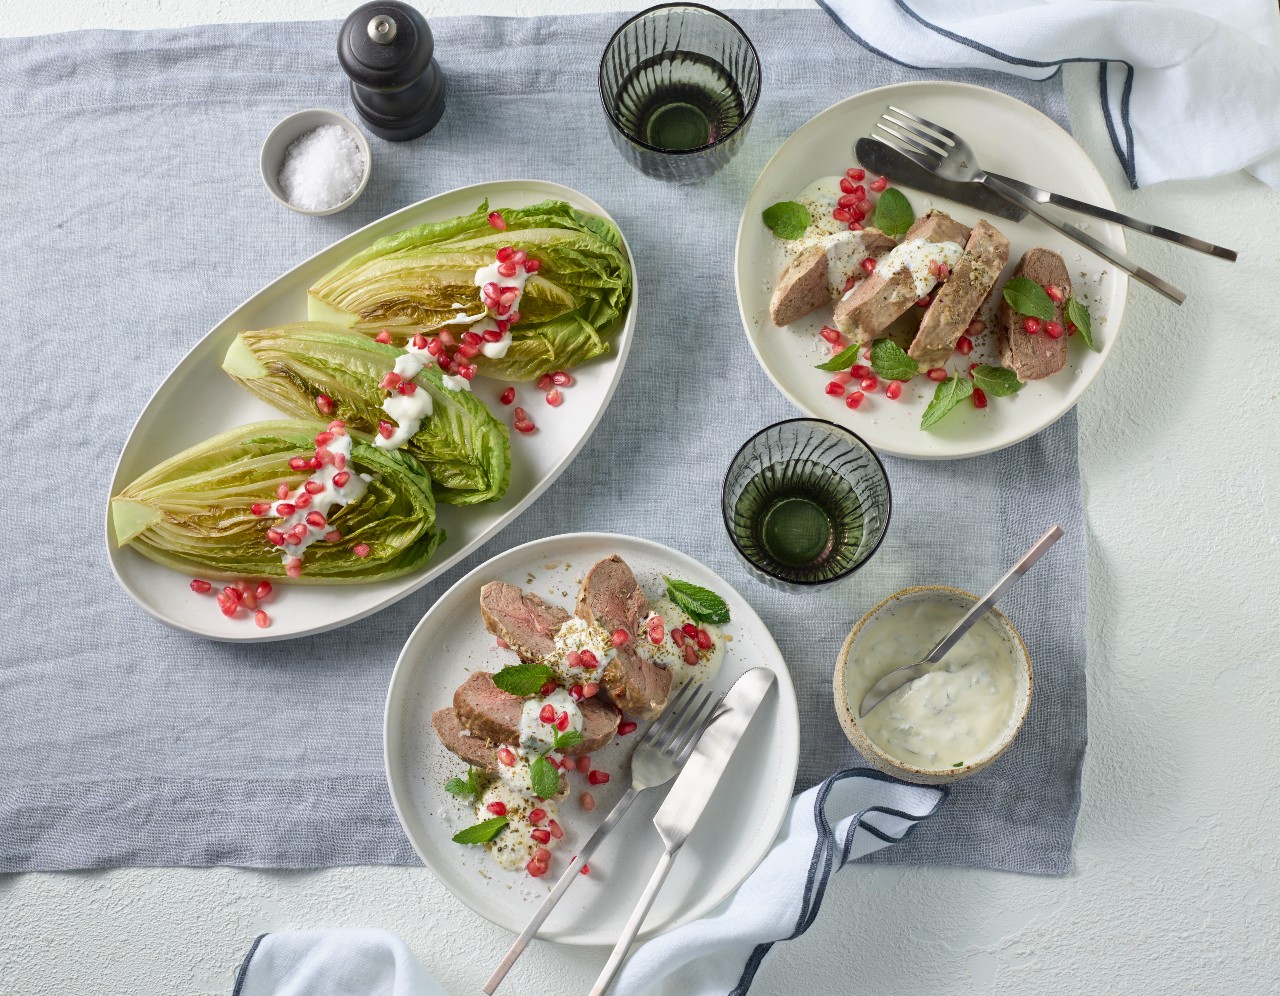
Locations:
(679, 83)
(806, 502)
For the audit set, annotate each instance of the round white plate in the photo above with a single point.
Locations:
(735, 832)
(1010, 138)
(199, 400)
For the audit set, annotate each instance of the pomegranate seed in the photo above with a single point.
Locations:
(620, 636)
(588, 659)
(869, 383)
(597, 777)
(857, 215)
(261, 619)
(859, 370)
(689, 629)
(542, 855)
(505, 254)
(249, 601)
(555, 398)
(316, 519)
(703, 639)
(360, 550)
(545, 382)
(433, 347)
(979, 398)
(847, 200)
(303, 500)
(830, 334)
(893, 390)
(513, 317)
(933, 267)
(973, 367)
(509, 759)
(924, 302)
(389, 383)
(408, 388)
(285, 508)
(324, 404)
(519, 256)
(506, 269)
(294, 567)
(879, 184)
(419, 341)
(339, 462)
(856, 174)
(562, 722)
(468, 352)
(843, 377)
(860, 194)
(842, 215)
(524, 425)
(200, 587)
(869, 265)
(556, 832)
(536, 816)
(497, 807)
(657, 632)
(864, 206)
(446, 337)
(678, 637)
(313, 487)
(588, 802)
(386, 430)
(938, 374)
(260, 508)
(275, 536)
(846, 185)
(1053, 330)
(497, 221)
(1055, 293)
(1071, 328)
(541, 836)
(470, 338)
(562, 379)
(590, 689)
(575, 693)
(547, 713)
(944, 271)
(625, 728)
(383, 337)
(505, 646)
(690, 654)
(854, 226)
(341, 478)
(508, 396)
(583, 763)
(298, 463)
(325, 457)
(964, 345)
(229, 609)
(854, 400)
(536, 869)
(547, 688)
(508, 297)
(263, 590)
(532, 265)
(1031, 325)
(466, 371)
(333, 536)
(835, 389)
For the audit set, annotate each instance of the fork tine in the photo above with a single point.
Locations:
(934, 156)
(932, 126)
(942, 146)
(915, 157)
(687, 718)
(692, 742)
(668, 717)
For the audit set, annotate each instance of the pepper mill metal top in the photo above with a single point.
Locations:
(386, 48)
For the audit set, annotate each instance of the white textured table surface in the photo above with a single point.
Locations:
(1177, 885)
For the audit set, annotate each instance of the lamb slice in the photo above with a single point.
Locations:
(460, 742)
(527, 623)
(1033, 357)
(611, 598)
(493, 715)
(817, 276)
(899, 279)
(961, 295)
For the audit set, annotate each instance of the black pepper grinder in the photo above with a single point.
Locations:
(397, 86)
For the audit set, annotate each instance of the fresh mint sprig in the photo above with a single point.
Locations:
(787, 219)
(894, 214)
(890, 360)
(470, 787)
(481, 833)
(1078, 315)
(698, 603)
(523, 679)
(1027, 297)
(948, 394)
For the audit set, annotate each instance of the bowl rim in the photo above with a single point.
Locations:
(334, 117)
(872, 751)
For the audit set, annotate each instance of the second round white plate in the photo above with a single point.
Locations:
(735, 832)
(1009, 137)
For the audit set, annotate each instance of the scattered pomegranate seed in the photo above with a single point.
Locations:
(973, 367)
(964, 345)
(703, 639)
(541, 836)
(584, 763)
(333, 536)
(536, 869)
(1031, 325)
(507, 269)
(857, 215)
(625, 728)
(620, 636)
(830, 334)
(835, 389)
(261, 619)
(419, 341)
(562, 722)
(893, 390)
(547, 688)
(856, 174)
(275, 536)
(298, 463)
(316, 519)
(434, 347)
(508, 758)
(497, 221)
(575, 693)
(842, 215)
(407, 388)
(938, 374)
(229, 607)
(1055, 293)
(503, 643)
(547, 713)
(933, 267)
(536, 816)
(864, 206)
(388, 382)
(505, 254)
(324, 404)
(313, 487)
(1053, 330)
(523, 424)
(657, 631)
(341, 478)
(303, 500)
(859, 370)
(843, 377)
(588, 802)
(260, 508)
(542, 855)
(846, 185)
(556, 832)
(869, 265)
(854, 400)
(263, 590)
(860, 192)
(869, 383)
(497, 807)
(467, 371)
(924, 302)
(879, 184)
(847, 200)
(468, 351)
(386, 429)
(360, 550)
(339, 462)
(555, 398)
(1071, 328)
(562, 378)
(294, 567)
(590, 689)
(854, 226)
(383, 337)
(532, 265)
(678, 637)
(586, 868)
(200, 587)
(588, 659)
(285, 508)
(979, 398)
(690, 652)
(597, 777)
(249, 601)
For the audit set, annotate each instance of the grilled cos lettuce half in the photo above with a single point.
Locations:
(408, 282)
(193, 512)
(464, 448)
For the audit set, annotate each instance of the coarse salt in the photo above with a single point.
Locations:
(322, 168)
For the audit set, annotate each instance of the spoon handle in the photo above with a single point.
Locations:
(980, 608)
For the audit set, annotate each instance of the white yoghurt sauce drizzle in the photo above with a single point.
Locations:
(329, 495)
(539, 735)
(916, 256)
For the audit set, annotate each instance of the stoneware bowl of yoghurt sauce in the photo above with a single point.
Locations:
(946, 725)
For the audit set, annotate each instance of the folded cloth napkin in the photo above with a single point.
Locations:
(851, 814)
(1188, 89)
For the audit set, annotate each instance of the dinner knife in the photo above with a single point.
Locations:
(887, 161)
(689, 796)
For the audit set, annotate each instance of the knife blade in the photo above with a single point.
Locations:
(689, 796)
(880, 158)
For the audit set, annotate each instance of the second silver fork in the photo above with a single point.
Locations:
(659, 756)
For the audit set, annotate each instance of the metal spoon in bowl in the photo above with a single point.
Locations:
(898, 677)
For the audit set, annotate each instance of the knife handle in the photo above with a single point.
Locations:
(1088, 241)
(1106, 214)
(620, 950)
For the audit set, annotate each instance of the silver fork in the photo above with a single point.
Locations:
(659, 756)
(949, 156)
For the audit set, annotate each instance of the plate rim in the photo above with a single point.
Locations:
(786, 689)
(621, 349)
(1115, 232)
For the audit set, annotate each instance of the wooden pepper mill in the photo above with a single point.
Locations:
(386, 48)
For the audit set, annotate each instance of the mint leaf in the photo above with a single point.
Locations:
(787, 219)
(996, 381)
(481, 833)
(470, 787)
(523, 679)
(843, 360)
(893, 214)
(569, 738)
(699, 604)
(1027, 297)
(949, 393)
(890, 360)
(958, 764)
(543, 777)
(1078, 315)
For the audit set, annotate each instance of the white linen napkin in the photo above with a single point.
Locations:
(1188, 89)
(852, 813)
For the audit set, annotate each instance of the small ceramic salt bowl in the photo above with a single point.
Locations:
(292, 128)
(848, 683)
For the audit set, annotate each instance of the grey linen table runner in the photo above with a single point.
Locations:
(134, 219)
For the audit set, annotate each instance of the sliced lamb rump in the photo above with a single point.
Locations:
(1032, 357)
(527, 623)
(961, 295)
(611, 598)
(458, 740)
(817, 276)
(494, 715)
(883, 297)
